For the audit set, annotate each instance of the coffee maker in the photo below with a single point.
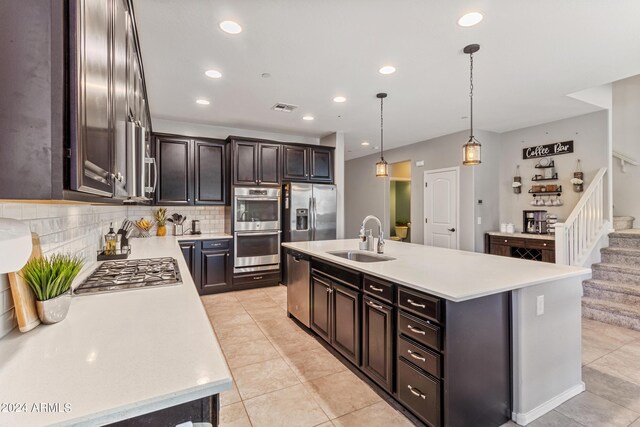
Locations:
(534, 222)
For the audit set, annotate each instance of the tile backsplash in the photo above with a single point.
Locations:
(212, 218)
(78, 229)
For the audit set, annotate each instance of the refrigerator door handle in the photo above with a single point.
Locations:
(315, 217)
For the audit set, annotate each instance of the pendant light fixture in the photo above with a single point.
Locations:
(471, 150)
(382, 167)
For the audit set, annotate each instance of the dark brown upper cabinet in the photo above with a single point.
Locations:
(92, 146)
(269, 164)
(191, 171)
(307, 163)
(210, 169)
(173, 155)
(321, 164)
(295, 163)
(256, 163)
(245, 163)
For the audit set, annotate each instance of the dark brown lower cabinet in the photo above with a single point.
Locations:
(345, 322)
(205, 410)
(321, 308)
(420, 392)
(189, 253)
(214, 270)
(448, 363)
(209, 263)
(377, 342)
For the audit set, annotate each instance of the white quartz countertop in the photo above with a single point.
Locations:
(116, 355)
(447, 273)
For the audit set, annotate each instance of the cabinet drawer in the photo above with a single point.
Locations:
(509, 241)
(420, 304)
(540, 244)
(215, 244)
(421, 331)
(339, 274)
(420, 356)
(420, 393)
(258, 278)
(380, 289)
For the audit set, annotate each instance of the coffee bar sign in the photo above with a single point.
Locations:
(554, 149)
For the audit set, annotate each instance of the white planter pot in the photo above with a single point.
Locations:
(55, 309)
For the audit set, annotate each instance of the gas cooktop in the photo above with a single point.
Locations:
(123, 275)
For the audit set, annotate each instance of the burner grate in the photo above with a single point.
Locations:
(131, 274)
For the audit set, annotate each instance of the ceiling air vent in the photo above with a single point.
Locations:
(285, 108)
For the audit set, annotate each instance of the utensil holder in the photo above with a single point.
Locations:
(178, 230)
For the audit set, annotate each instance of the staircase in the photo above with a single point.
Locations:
(613, 294)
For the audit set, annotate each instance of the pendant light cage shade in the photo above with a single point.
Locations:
(382, 168)
(471, 151)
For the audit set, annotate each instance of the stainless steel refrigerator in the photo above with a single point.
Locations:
(309, 212)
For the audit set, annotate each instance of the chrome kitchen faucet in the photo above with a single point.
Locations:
(366, 242)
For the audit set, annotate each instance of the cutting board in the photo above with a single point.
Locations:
(23, 298)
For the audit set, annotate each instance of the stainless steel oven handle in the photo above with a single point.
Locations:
(270, 233)
(259, 199)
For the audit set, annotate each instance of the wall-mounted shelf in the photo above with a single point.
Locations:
(554, 178)
(550, 165)
(558, 193)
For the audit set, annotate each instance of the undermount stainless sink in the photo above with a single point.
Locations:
(361, 256)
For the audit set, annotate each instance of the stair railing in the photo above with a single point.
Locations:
(578, 235)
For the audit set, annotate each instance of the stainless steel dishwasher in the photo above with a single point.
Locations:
(298, 297)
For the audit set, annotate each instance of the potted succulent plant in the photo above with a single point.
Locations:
(50, 279)
(160, 215)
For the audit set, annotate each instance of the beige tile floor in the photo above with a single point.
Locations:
(284, 377)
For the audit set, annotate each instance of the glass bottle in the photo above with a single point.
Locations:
(110, 241)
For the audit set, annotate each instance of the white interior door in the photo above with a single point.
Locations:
(441, 208)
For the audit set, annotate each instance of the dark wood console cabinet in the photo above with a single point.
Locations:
(521, 246)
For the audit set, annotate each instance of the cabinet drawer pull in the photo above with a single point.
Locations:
(416, 356)
(506, 241)
(379, 307)
(416, 330)
(415, 304)
(257, 278)
(416, 391)
(376, 289)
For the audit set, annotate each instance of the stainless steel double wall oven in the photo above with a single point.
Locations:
(257, 231)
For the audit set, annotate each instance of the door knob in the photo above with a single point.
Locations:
(451, 229)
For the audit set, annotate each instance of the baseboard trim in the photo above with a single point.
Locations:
(525, 418)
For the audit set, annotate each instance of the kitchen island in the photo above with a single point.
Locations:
(475, 338)
(117, 355)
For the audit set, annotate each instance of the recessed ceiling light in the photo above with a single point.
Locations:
(214, 74)
(387, 69)
(364, 143)
(339, 99)
(307, 118)
(470, 19)
(202, 102)
(230, 27)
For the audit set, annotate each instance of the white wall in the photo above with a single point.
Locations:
(626, 139)
(366, 194)
(221, 132)
(590, 135)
